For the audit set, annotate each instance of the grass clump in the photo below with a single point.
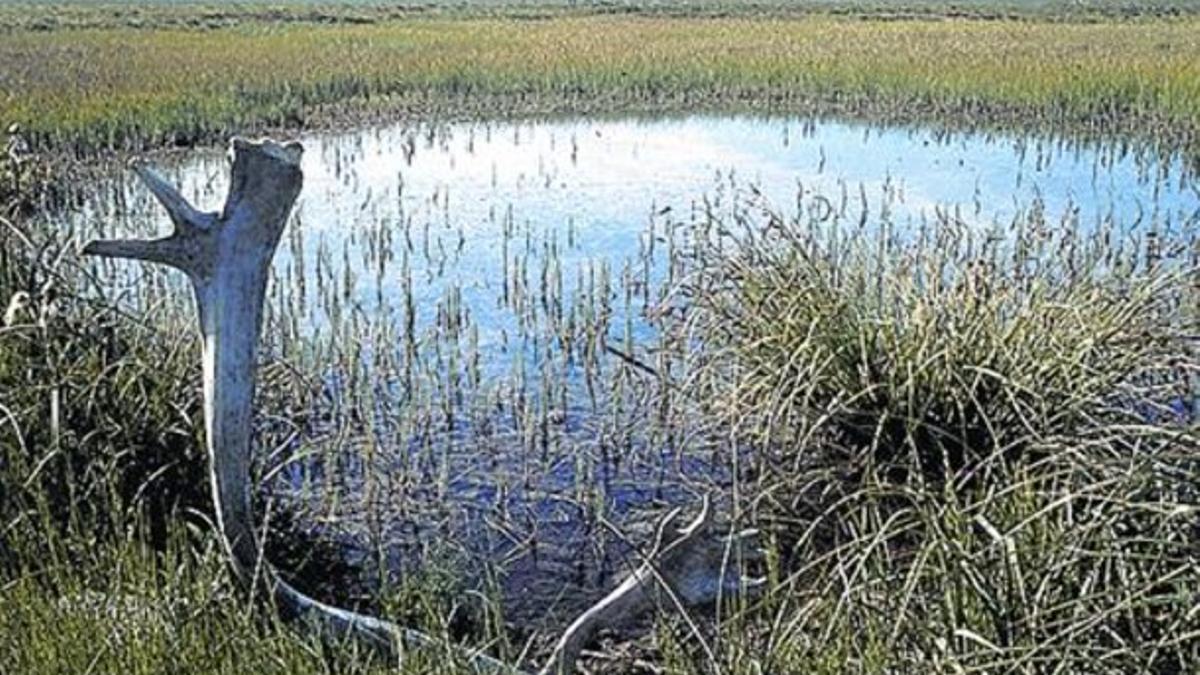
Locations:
(980, 445)
(947, 354)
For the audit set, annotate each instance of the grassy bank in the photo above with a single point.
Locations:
(126, 87)
(50, 15)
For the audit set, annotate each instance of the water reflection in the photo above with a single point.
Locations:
(481, 299)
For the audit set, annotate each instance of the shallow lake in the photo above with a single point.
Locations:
(482, 298)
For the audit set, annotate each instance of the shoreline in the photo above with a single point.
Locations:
(196, 88)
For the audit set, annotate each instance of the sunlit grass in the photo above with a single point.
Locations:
(122, 87)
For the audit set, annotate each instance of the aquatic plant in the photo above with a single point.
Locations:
(978, 446)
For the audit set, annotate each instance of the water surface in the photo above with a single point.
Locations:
(465, 288)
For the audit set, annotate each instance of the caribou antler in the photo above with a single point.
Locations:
(685, 568)
(228, 256)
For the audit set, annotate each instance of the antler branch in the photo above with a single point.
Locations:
(228, 257)
(188, 248)
(688, 567)
(185, 216)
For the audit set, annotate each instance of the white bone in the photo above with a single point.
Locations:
(228, 256)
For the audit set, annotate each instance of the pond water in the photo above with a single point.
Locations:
(481, 298)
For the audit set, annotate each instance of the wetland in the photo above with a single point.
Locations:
(493, 309)
(910, 289)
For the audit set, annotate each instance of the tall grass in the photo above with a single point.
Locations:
(981, 445)
(108, 560)
(118, 88)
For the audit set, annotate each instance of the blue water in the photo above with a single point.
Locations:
(402, 224)
(591, 187)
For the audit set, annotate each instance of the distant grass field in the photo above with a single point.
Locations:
(123, 87)
(50, 14)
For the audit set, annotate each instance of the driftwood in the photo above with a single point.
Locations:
(227, 256)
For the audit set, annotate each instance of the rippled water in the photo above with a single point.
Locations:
(465, 288)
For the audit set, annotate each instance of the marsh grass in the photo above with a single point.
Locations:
(980, 445)
(973, 448)
(949, 345)
(122, 88)
(125, 605)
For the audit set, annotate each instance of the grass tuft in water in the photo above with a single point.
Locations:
(978, 447)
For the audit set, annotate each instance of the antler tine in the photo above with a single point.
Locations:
(188, 248)
(186, 217)
(703, 521)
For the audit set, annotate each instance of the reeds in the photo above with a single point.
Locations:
(971, 444)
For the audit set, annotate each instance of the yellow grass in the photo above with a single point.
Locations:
(104, 87)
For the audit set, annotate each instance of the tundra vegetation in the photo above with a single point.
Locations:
(117, 87)
(968, 452)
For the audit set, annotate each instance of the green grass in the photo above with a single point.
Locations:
(980, 463)
(121, 88)
(124, 606)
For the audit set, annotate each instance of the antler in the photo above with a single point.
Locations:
(228, 256)
(686, 567)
